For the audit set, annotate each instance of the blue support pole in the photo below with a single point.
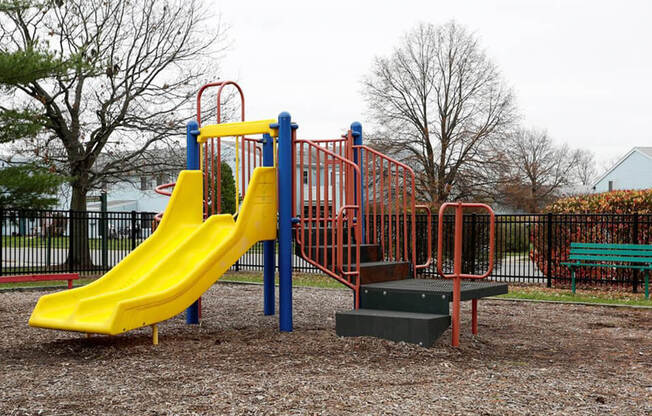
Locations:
(192, 163)
(285, 171)
(356, 129)
(269, 246)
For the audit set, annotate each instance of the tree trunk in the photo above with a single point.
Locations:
(79, 257)
(532, 201)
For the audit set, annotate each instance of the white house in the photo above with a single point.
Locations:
(139, 196)
(137, 193)
(633, 171)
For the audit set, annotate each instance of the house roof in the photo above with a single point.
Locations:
(645, 151)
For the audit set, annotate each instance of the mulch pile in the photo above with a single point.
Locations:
(529, 358)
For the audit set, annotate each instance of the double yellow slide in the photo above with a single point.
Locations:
(172, 268)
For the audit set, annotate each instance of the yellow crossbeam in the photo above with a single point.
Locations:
(243, 128)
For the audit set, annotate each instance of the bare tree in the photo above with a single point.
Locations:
(586, 169)
(538, 170)
(437, 103)
(607, 164)
(136, 67)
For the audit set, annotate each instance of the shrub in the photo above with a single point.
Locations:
(598, 218)
(226, 186)
(616, 202)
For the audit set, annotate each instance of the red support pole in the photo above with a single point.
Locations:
(457, 270)
(318, 201)
(212, 184)
(218, 199)
(382, 209)
(205, 177)
(457, 275)
(398, 207)
(375, 239)
(242, 167)
(457, 288)
(326, 216)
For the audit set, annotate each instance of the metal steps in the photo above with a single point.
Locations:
(382, 271)
(372, 268)
(409, 310)
(417, 328)
(325, 254)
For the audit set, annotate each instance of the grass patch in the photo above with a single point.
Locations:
(298, 279)
(582, 296)
(515, 292)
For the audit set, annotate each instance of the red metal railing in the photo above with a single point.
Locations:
(388, 193)
(162, 190)
(339, 146)
(328, 229)
(250, 156)
(457, 274)
(457, 256)
(429, 237)
(344, 204)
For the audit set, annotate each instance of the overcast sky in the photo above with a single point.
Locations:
(580, 69)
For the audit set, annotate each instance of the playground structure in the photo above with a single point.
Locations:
(333, 193)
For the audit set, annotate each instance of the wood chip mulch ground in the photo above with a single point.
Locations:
(529, 358)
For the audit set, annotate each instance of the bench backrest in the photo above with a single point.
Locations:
(631, 253)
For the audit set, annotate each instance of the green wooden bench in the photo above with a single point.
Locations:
(619, 256)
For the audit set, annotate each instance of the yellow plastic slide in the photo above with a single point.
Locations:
(172, 268)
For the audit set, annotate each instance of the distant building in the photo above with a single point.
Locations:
(136, 192)
(633, 171)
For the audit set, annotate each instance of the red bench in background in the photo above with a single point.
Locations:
(40, 278)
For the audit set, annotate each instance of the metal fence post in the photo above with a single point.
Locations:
(635, 241)
(71, 237)
(133, 230)
(48, 248)
(549, 251)
(472, 248)
(104, 229)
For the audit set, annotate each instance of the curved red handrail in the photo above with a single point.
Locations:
(221, 84)
(408, 181)
(457, 275)
(215, 174)
(457, 260)
(315, 155)
(429, 225)
(161, 189)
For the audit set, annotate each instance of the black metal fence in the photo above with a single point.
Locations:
(529, 248)
(89, 242)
